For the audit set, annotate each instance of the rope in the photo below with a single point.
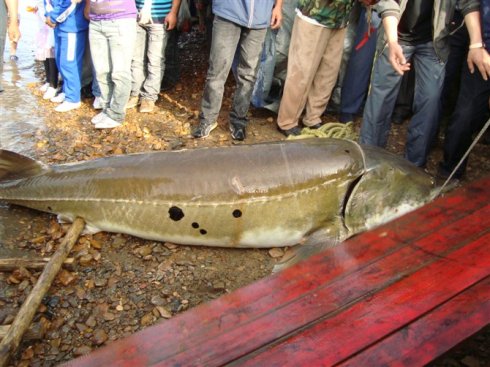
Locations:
(336, 130)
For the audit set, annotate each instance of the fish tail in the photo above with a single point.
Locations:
(14, 166)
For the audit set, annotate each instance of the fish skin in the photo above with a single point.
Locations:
(260, 195)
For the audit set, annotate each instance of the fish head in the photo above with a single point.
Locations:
(390, 187)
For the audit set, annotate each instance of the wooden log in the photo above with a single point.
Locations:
(35, 332)
(21, 323)
(10, 264)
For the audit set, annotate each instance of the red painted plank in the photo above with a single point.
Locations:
(432, 335)
(278, 305)
(370, 320)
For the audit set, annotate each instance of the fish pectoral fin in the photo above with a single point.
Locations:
(14, 166)
(91, 229)
(315, 243)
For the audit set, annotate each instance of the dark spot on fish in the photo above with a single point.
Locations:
(203, 231)
(50, 209)
(347, 151)
(237, 213)
(195, 225)
(176, 213)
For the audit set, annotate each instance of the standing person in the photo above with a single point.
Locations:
(239, 26)
(112, 35)
(45, 48)
(472, 103)
(315, 53)
(416, 30)
(9, 9)
(156, 18)
(70, 36)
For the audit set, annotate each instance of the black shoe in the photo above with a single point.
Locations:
(203, 130)
(295, 131)
(397, 119)
(316, 126)
(237, 132)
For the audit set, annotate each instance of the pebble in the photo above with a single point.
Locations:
(109, 316)
(276, 252)
(91, 322)
(100, 337)
(166, 314)
(147, 319)
(80, 351)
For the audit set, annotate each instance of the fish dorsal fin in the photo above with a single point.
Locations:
(14, 166)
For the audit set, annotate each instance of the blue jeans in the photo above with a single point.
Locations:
(469, 116)
(229, 37)
(148, 65)
(385, 83)
(111, 46)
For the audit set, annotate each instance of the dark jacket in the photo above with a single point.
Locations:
(442, 16)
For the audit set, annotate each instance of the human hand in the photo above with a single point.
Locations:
(397, 59)
(479, 58)
(49, 22)
(170, 21)
(144, 16)
(276, 18)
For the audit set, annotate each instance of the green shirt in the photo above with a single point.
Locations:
(330, 13)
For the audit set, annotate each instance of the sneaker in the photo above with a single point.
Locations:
(203, 130)
(147, 106)
(50, 93)
(43, 88)
(237, 132)
(97, 105)
(133, 102)
(107, 123)
(98, 118)
(59, 98)
(296, 130)
(67, 106)
(14, 58)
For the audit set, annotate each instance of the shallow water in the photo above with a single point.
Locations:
(19, 122)
(18, 107)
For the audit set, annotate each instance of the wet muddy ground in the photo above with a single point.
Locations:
(120, 284)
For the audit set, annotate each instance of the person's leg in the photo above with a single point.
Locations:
(472, 102)
(3, 36)
(223, 46)
(155, 53)
(385, 83)
(72, 48)
(138, 60)
(429, 78)
(356, 80)
(250, 48)
(325, 78)
(121, 35)
(99, 50)
(308, 43)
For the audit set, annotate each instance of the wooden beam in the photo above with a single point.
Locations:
(10, 264)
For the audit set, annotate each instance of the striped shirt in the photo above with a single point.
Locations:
(159, 9)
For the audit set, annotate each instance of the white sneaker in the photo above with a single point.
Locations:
(67, 106)
(59, 98)
(98, 118)
(49, 93)
(97, 103)
(107, 123)
(43, 88)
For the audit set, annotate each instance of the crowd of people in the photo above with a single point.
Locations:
(407, 47)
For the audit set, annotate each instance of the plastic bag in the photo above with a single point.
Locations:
(184, 17)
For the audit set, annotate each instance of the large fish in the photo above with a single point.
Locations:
(311, 191)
